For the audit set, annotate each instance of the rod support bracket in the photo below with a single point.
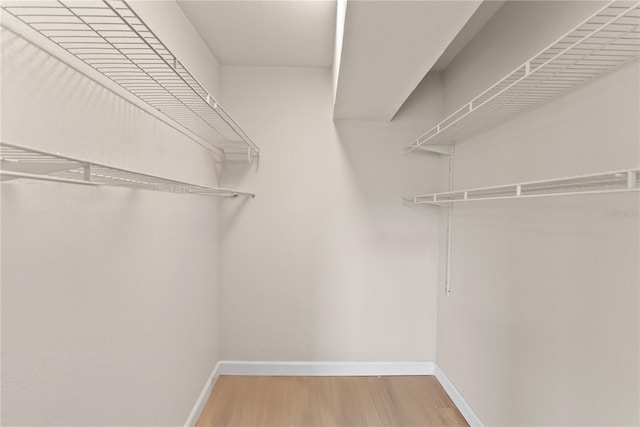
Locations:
(632, 177)
(87, 172)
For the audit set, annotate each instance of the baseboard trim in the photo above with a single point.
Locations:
(324, 368)
(270, 368)
(203, 397)
(457, 398)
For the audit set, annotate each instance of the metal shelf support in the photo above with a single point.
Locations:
(626, 180)
(111, 38)
(607, 39)
(19, 162)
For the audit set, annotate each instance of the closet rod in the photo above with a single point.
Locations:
(598, 183)
(20, 162)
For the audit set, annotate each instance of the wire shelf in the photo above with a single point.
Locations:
(111, 38)
(606, 182)
(20, 162)
(602, 42)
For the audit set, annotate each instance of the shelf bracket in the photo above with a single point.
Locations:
(439, 149)
(87, 172)
(632, 177)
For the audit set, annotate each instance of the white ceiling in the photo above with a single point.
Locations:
(266, 33)
(388, 47)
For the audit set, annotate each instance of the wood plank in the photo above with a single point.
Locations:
(329, 401)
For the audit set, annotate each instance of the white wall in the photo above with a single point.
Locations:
(543, 326)
(326, 263)
(109, 295)
(115, 309)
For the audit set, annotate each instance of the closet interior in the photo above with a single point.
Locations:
(438, 201)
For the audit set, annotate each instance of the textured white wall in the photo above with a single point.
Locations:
(543, 327)
(108, 295)
(326, 263)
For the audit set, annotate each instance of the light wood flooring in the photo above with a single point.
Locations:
(329, 401)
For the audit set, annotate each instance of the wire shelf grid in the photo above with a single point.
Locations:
(605, 182)
(27, 163)
(110, 37)
(604, 41)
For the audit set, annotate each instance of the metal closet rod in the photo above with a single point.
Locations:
(20, 162)
(597, 183)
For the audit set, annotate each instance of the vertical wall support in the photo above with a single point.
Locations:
(447, 282)
(87, 172)
(631, 179)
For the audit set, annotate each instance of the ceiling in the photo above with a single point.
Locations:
(266, 33)
(385, 47)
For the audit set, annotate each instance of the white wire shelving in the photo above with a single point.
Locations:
(606, 182)
(604, 41)
(110, 37)
(20, 162)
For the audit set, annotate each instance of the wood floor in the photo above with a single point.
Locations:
(329, 401)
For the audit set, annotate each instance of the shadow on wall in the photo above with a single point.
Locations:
(237, 166)
(230, 214)
(372, 161)
(99, 284)
(375, 149)
(568, 259)
(54, 105)
(107, 293)
(235, 171)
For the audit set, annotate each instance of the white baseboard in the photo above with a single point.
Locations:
(325, 368)
(203, 397)
(457, 398)
(227, 367)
